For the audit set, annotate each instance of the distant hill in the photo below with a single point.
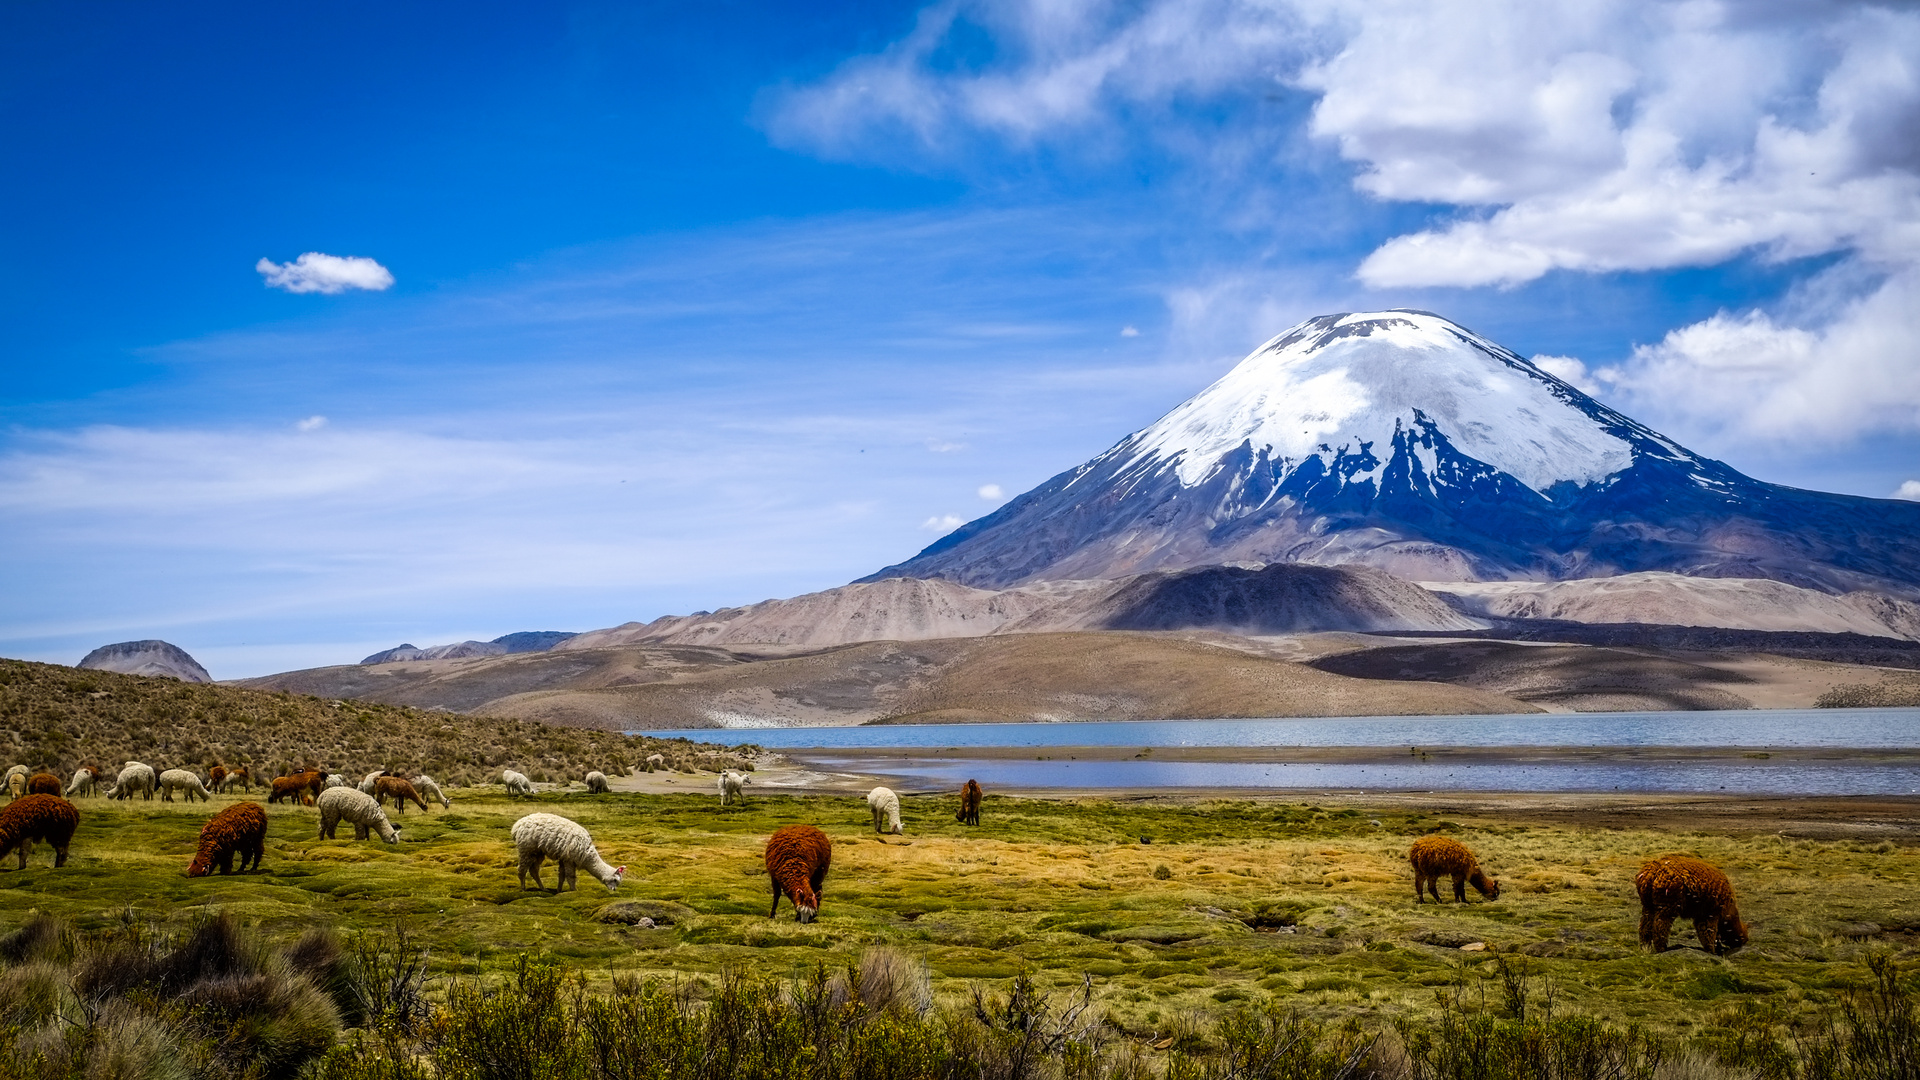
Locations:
(506, 644)
(146, 658)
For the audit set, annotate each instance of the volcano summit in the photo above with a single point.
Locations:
(1400, 440)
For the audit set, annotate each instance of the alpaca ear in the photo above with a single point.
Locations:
(619, 870)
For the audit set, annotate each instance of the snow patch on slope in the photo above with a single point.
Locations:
(1328, 386)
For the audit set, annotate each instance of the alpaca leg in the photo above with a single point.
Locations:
(60, 856)
(775, 910)
(1662, 927)
(1419, 887)
(1705, 929)
(1459, 888)
(26, 849)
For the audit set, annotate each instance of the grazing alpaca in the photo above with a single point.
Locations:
(241, 828)
(32, 818)
(426, 786)
(517, 783)
(135, 777)
(17, 781)
(44, 783)
(371, 778)
(224, 778)
(656, 761)
(730, 785)
(356, 806)
(540, 837)
(84, 779)
(182, 781)
(334, 779)
(970, 797)
(1434, 857)
(797, 859)
(886, 810)
(400, 791)
(289, 787)
(597, 783)
(1679, 886)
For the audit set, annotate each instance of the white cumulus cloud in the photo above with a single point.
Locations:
(1908, 490)
(992, 492)
(314, 272)
(943, 523)
(311, 423)
(1129, 331)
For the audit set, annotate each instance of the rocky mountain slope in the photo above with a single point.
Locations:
(1670, 599)
(1403, 441)
(150, 657)
(1242, 600)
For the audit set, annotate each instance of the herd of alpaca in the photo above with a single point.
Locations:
(797, 856)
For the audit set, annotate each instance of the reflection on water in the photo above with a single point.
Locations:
(1624, 776)
(1856, 728)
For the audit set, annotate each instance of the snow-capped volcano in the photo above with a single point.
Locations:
(1404, 441)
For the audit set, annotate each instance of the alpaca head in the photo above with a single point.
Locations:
(613, 883)
(1733, 932)
(1489, 887)
(201, 864)
(805, 904)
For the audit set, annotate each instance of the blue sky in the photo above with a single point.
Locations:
(677, 307)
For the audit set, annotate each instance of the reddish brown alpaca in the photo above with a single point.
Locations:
(1682, 887)
(970, 797)
(400, 790)
(797, 858)
(32, 818)
(45, 784)
(1434, 857)
(303, 787)
(241, 827)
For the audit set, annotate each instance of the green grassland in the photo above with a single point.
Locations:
(1174, 910)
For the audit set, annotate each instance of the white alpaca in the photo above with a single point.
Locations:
(430, 790)
(886, 809)
(730, 787)
(83, 780)
(656, 761)
(17, 781)
(135, 777)
(597, 783)
(334, 780)
(367, 784)
(356, 806)
(183, 781)
(517, 783)
(540, 837)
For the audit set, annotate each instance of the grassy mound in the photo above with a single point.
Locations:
(60, 718)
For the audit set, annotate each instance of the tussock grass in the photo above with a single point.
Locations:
(60, 718)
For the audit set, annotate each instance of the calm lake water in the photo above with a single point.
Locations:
(1842, 728)
(1779, 729)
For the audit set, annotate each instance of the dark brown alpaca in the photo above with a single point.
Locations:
(1435, 857)
(970, 797)
(32, 818)
(45, 784)
(797, 858)
(1682, 887)
(400, 790)
(241, 827)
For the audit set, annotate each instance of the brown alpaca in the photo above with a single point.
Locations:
(220, 778)
(241, 827)
(1435, 857)
(302, 788)
(401, 790)
(797, 858)
(38, 817)
(45, 784)
(970, 797)
(1681, 887)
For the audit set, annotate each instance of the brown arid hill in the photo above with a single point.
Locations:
(1276, 599)
(60, 718)
(1674, 600)
(1026, 677)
